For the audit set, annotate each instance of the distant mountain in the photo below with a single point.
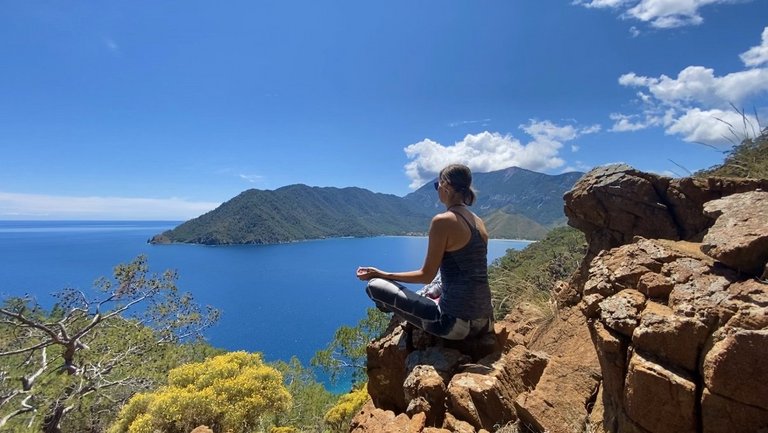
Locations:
(515, 203)
(299, 212)
(512, 191)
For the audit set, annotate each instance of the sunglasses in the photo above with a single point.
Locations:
(437, 185)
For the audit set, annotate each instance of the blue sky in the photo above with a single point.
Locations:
(163, 110)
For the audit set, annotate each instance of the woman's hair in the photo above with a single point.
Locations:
(460, 178)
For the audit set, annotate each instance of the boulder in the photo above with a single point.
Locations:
(739, 236)
(621, 312)
(731, 369)
(371, 419)
(425, 392)
(720, 414)
(677, 340)
(479, 400)
(615, 203)
(387, 370)
(659, 399)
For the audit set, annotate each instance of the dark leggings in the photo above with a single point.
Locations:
(423, 312)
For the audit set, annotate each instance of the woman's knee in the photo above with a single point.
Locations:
(382, 290)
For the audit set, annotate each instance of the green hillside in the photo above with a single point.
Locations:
(516, 203)
(299, 212)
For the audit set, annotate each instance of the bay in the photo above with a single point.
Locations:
(281, 300)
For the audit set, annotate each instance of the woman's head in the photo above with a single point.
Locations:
(459, 177)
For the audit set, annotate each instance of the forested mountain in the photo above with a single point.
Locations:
(299, 212)
(512, 191)
(516, 203)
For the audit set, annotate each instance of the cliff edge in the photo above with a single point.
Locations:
(664, 328)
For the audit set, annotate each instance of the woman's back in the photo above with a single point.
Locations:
(464, 272)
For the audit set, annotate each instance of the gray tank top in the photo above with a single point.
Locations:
(466, 294)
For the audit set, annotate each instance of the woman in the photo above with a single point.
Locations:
(458, 244)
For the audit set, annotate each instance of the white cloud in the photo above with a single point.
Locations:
(599, 4)
(699, 85)
(37, 206)
(468, 122)
(251, 178)
(489, 151)
(624, 123)
(711, 126)
(757, 55)
(662, 14)
(691, 104)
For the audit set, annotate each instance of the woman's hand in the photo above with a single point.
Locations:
(365, 273)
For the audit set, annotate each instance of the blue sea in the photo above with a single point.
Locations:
(280, 300)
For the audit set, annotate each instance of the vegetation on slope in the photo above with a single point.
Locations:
(66, 369)
(236, 391)
(529, 275)
(747, 159)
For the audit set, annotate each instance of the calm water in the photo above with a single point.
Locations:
(281, 300)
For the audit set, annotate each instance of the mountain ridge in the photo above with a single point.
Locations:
(519, 203)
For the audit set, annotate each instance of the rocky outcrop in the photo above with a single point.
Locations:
(668, 309)
(613, 204)
(534, 371)
(663, 329)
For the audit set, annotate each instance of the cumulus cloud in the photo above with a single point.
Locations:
(757, 55)
(662, 14)
(698, 104)
(38, 206)
(489, 151)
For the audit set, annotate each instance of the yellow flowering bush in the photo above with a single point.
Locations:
(227, 392)
(348, 405)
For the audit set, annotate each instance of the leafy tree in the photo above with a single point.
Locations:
(310, 398)
(91, 352)
(347, 349)
(340, 415)
(234, 391)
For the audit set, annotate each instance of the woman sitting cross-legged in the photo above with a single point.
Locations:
(458, 247)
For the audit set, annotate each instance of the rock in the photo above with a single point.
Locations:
(612, 350)
(387, 370)
(373, 420)
(621, 312)
(478, 399)
(703, 298)
(739, 236)
(614, 203)
(444, 361)
(677, 340)
(721, 414)
(425, 392)
(566, 294)
(659, 399)
(598, 420)
(202, 429)
(457, 426)
(518, 326)
(559, 401)
(731, 369)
